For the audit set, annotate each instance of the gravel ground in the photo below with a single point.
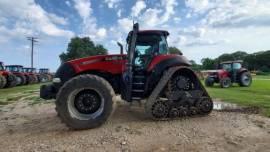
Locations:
(36, 127)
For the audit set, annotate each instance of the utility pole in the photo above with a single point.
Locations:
(33, 41)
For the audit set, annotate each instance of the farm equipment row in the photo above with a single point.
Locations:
(17, 75)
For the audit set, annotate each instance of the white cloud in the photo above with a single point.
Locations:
(137, 8)
(177, 19)
(68, 3)
(57, 19)
(125, 24)
(102, 32)
(89, 26)
(197, 5)
(112, 3)
(26, 22)
(119, 13)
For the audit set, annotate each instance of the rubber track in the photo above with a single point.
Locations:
(160, 86)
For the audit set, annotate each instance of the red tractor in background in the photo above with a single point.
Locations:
(33, 74)
(17, 70)
(230, 72)
(45, 75)
(7, 79)
(85, 88)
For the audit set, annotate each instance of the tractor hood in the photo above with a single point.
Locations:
(97, 58)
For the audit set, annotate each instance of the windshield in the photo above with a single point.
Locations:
(147, 45)
(237, 66)
(29, 70)
(14, 68)
(43, 71)
(227, 66)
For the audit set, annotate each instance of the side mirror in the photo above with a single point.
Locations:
(121, 47)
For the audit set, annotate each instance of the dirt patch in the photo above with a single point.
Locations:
(36, 127)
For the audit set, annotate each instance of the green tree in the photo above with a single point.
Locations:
(195, 66)
(81, 47)
(175, 50)
(208, 63)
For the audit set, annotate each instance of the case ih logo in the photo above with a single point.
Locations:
(113, 58)
(90, 61)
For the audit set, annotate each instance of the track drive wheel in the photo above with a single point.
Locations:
(85, 102)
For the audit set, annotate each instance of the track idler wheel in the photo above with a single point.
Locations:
(174, 112)
(205, 105)
(160, 110)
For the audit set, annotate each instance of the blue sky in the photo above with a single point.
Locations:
(200, 28)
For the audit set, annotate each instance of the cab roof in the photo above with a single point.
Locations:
(236, 61)
(162, 32)
(13, 66)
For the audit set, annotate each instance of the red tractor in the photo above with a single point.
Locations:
(45, 75)
(230, 72)
(33, 76)
(7, 79)
(17, 70)
(85, 88)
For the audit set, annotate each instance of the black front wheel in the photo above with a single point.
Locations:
(85, 102)
(225, 82)
(209, 81)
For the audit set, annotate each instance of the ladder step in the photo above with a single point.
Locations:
(139, 76)
(137, 90)
(138, 83)
(136, 98)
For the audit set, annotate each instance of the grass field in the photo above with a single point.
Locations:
(257, 95)
(9, 95)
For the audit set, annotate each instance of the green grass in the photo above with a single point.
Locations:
(257, 95)
(9, 95)
(262, 77)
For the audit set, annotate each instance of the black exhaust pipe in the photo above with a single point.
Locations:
(121, 47)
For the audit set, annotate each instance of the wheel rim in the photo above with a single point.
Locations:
(19, 80)
(85, 104)
(246, 79)
(181, 83)
(226, 83)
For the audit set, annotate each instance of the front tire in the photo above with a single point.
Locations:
(11, 81)
(85, 102)
(225, 82)
(209, 82)
(3, 81)
(20, 80)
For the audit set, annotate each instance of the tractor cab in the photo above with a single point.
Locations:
(43, 71)
(14, 68)
(149, 44)
(29, 70)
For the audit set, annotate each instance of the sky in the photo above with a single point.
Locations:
(200, 28)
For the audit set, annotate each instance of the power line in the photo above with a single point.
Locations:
(33, 41)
